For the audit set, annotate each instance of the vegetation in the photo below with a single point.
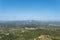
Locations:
(29, 31)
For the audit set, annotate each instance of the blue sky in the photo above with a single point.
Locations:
(45, 10)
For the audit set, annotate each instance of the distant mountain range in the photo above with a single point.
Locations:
(30, 21)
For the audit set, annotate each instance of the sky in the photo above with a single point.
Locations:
(45, 10)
